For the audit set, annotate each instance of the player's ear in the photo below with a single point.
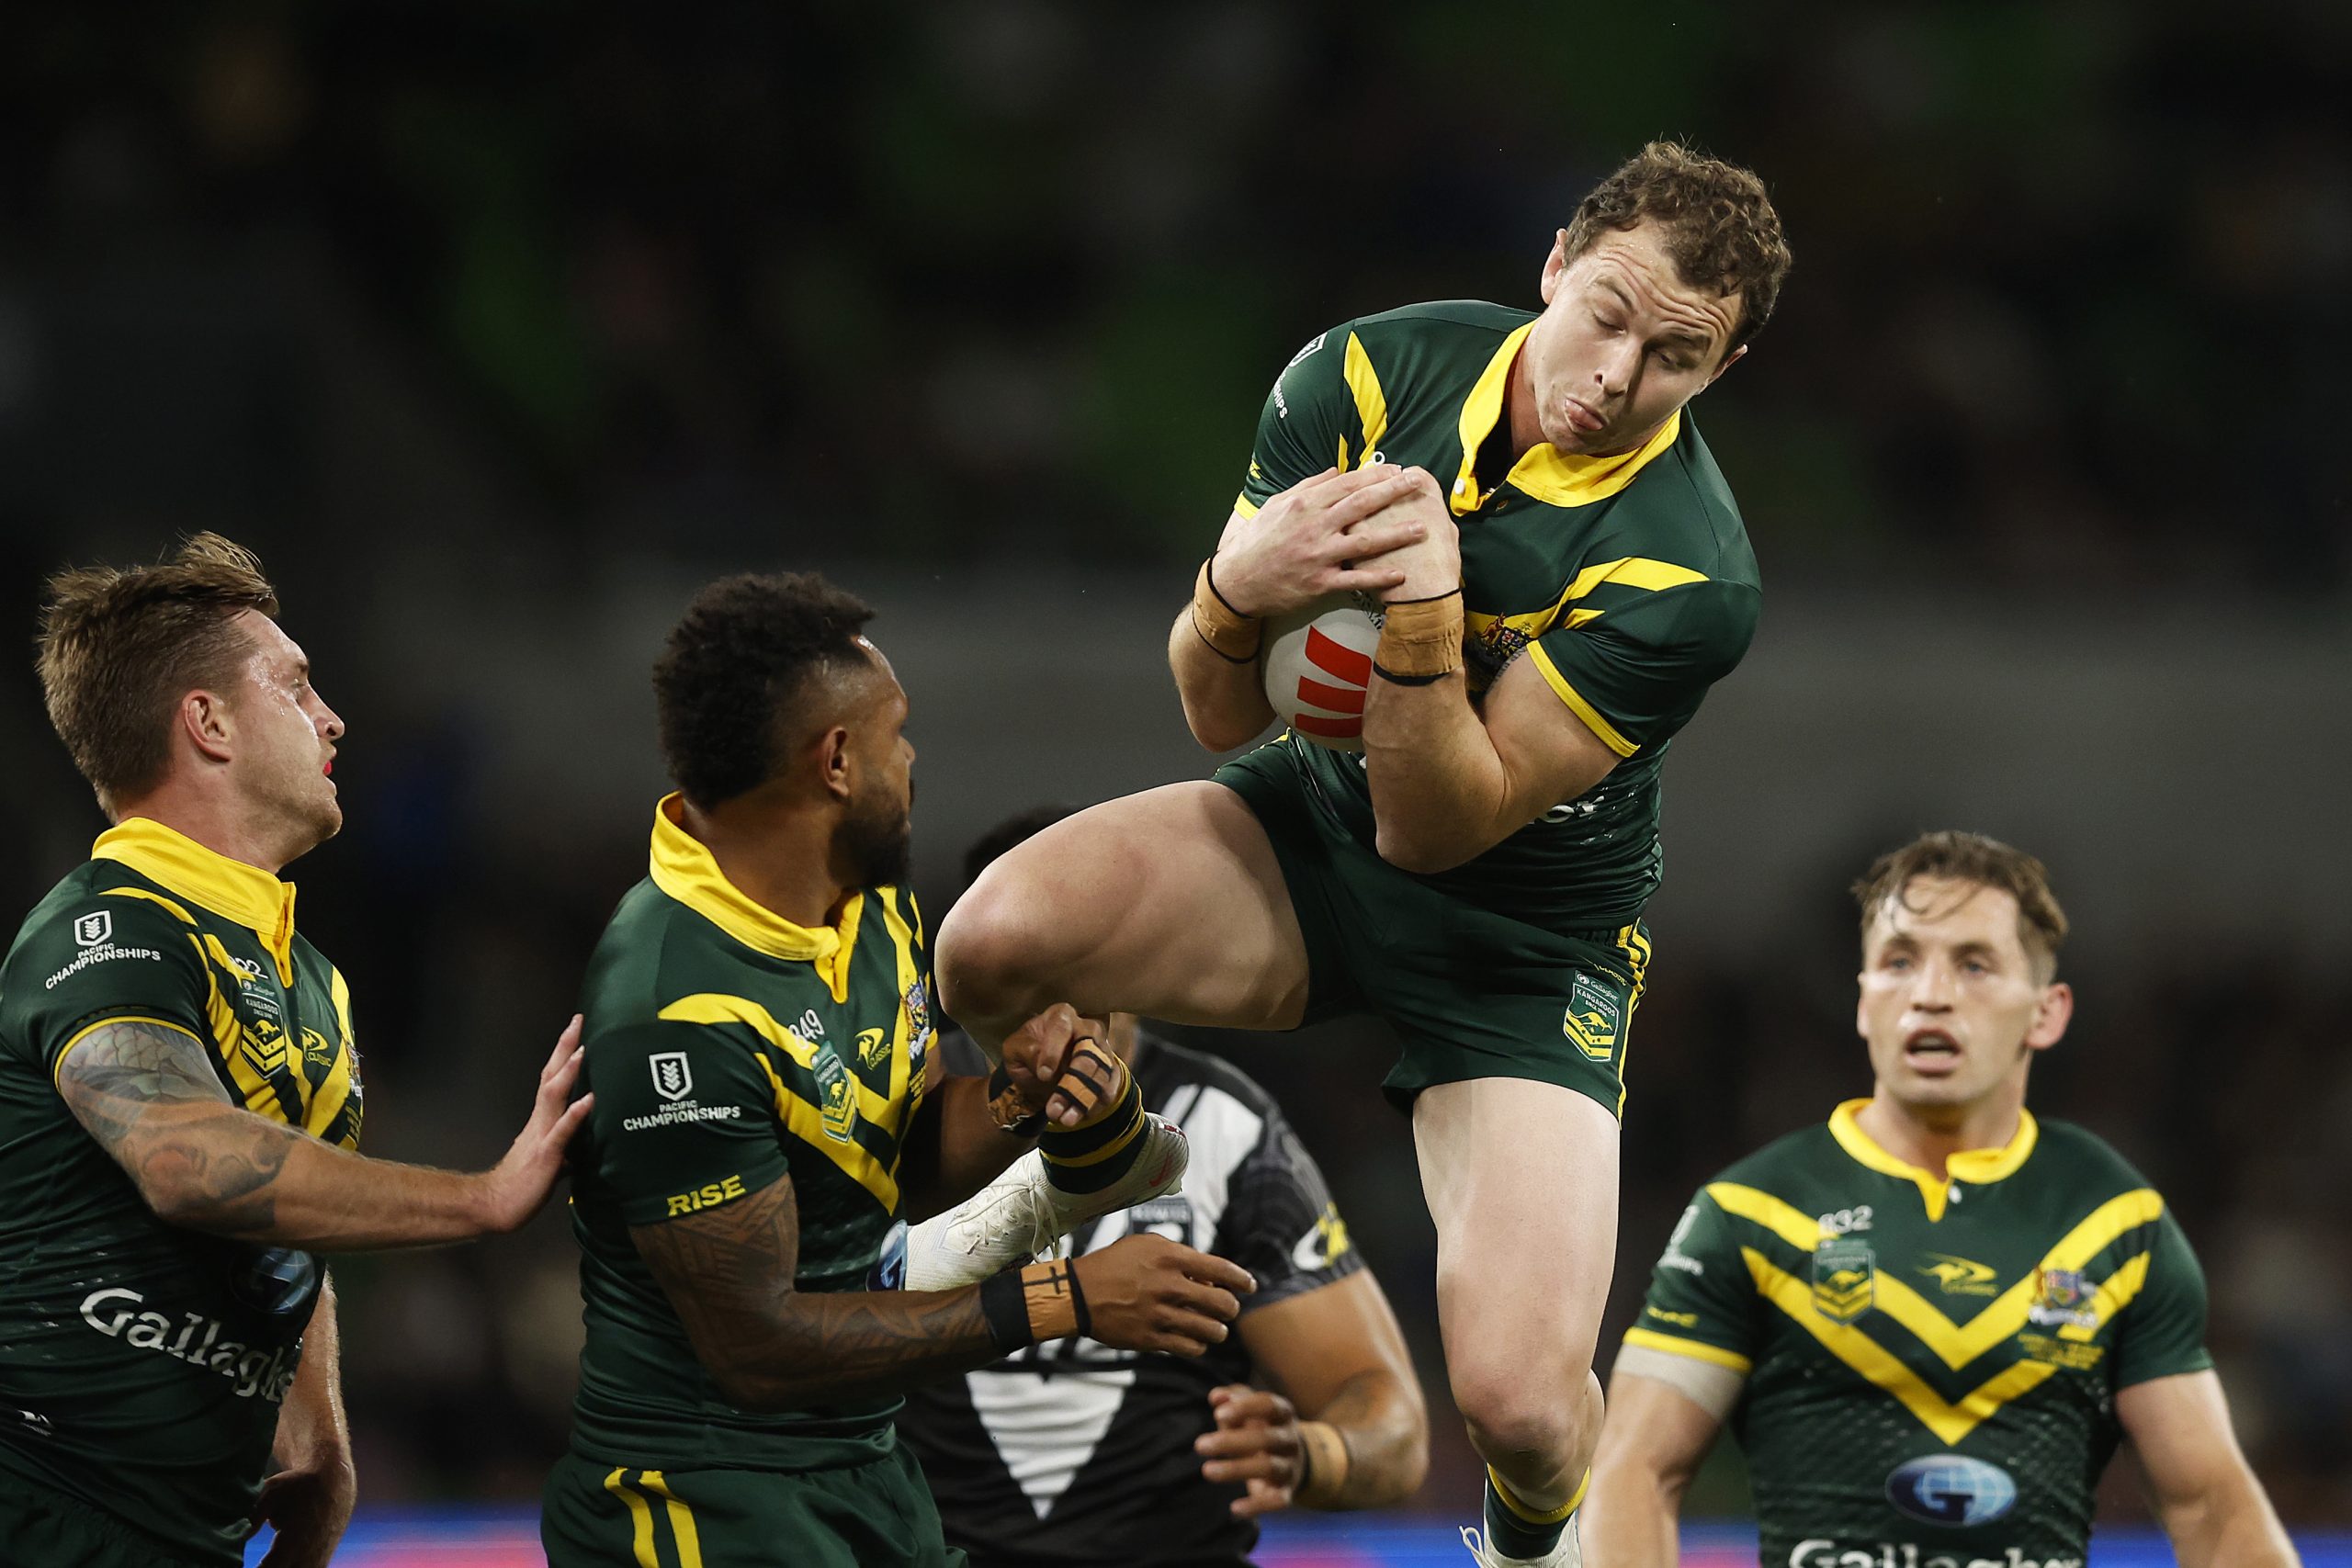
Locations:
(1553, 266)
(2051, 1017)
(205, 719)
(1733, 357)
(833, 761)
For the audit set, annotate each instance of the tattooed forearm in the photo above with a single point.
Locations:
(729, 1273)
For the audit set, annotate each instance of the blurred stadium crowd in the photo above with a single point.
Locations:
(464, 314)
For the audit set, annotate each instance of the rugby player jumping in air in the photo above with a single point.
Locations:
(1564, 574)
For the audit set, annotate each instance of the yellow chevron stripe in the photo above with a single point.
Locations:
(172, 905)
(641, 1516)
(1372, 406)
(1577, 704)
(803, 1118)
(326, 1101)
(903, 1097)
(1698, 1350)
(1785, 1220)
(1879, 1366)
(1244, 507)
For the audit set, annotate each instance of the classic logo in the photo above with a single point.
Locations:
(1960, 1277)
(1845, 1277)
(1593, 1018)
(94, 927)
(672, 1079)
(836, 1095)
(872, 1047)
(316, 1048)
(1951, 1489)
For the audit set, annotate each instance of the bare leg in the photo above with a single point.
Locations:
(1521, 1179)
(1169, 903)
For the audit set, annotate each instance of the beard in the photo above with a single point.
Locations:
(876, 841)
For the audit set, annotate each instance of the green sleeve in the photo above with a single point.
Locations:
(1702, 1302)
(2161, 1332)
(684, 1119)
(1636, 673)
(108, 956)
(1307, 414)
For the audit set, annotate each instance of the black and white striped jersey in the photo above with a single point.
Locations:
(1072, 1453)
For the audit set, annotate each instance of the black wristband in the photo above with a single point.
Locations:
(1394, 678)
(1005, 1308)
(1077, 1303)
(1208, 570)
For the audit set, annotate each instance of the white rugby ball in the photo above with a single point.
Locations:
(1316, 662)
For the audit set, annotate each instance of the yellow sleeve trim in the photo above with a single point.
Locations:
(1650, 1339)
(1244, 507)
(1577, 706)
(89, 1029)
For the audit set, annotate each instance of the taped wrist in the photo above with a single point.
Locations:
(1231, 635)
(1113, 1118)
(1323, 1464)
(1008, 1109)
(1034, 1303)
(1420, 639)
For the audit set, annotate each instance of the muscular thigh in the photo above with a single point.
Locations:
(1521, 1179)
(1168, 903)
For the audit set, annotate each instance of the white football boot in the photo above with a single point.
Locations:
(1568, 1554)
(1021, 1214)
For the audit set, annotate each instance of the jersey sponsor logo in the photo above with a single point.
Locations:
(836, 1095)
(709, 1195)
(1674, 1257)
(1908, 1555)
(278, 1281)
(1961, 1277)
(2066, 1355)
(1951, 1489)
(889, 1270)
(1593, 1018)
(194, 1338)
(1680, 1319)
(1845, 1279)
(93, 928)
(872, 1047)
(1326, 1244)
(2063, 1298)
(919, 1010)
(674, 1076)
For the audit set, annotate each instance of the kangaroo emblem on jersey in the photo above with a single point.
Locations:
(836, 1094)
(265, 1046)
(1592, 1018)
(1845, 1279)
(672, 1079)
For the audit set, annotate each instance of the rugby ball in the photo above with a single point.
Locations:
(1315, 664)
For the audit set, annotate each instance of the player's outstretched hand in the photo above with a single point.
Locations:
(515, 1187)
(1256, 1442)
(1034, 1054)
(1146, 1292)
(1322, 536)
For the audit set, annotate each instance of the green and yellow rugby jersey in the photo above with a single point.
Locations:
(729, 1048)
(142, 1366)
(1628, 580)
(1931, 1365)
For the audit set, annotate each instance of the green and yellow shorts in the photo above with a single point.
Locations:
(876, 1515)
(1475, 992)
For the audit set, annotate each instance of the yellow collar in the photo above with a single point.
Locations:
(245, 893)
(1977, 1167)
(1558, 479)
(686, 870)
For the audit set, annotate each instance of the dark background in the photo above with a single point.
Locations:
(496, 327)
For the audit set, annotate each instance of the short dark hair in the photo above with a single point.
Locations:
(1014, 831)
(733, 674)
(1972, 857)
(1718, 225)
(119, 649)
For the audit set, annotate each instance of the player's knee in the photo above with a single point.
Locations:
(1511, 1407)
(995, 955)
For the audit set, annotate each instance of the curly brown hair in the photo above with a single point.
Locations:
(737, 667)
(1955, 856)
(119, 649)
(1719, 226)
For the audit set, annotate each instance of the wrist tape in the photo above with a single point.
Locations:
(1034, 1303)
(1323, 1463)
(1231, 635)
(1421, 640)
(1114, 1119)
